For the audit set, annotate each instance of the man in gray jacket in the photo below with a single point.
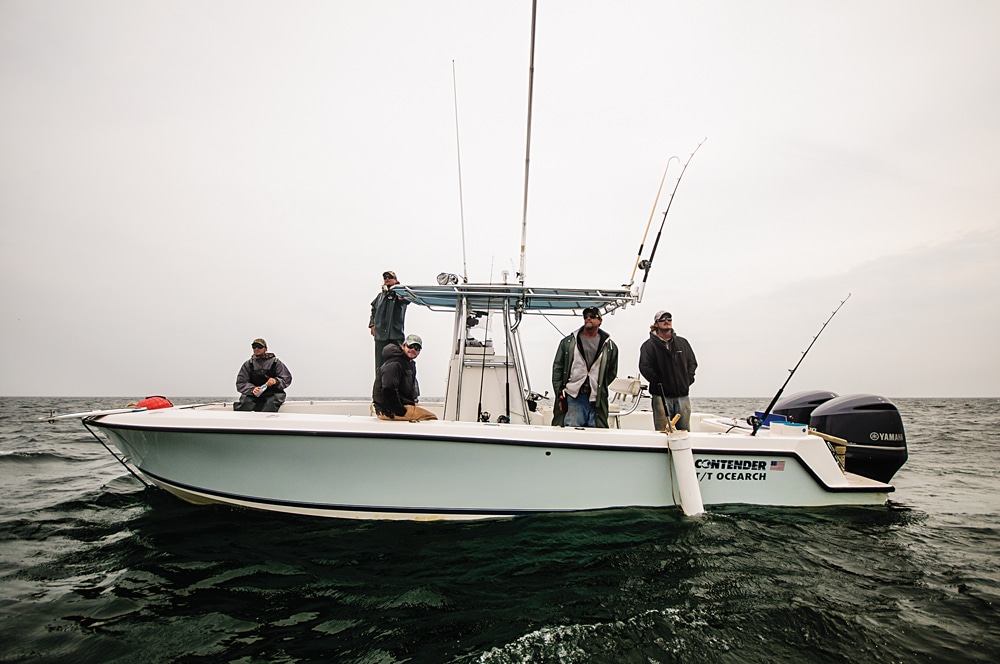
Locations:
(388, 312)
(262, 380)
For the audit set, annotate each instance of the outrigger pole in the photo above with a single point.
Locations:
(757, 422)
(527, 150)
(645, 265)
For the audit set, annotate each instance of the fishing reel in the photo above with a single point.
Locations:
(532, 399)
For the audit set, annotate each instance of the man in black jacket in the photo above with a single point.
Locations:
(396, 390)
(668, 363)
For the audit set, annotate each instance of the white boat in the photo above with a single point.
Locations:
(490, 454)
(493, 452)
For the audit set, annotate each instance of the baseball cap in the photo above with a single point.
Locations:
(388, 274)
(665, 315)
(413, 340)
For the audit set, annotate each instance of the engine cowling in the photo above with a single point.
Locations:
(798, 407)
(873, 427)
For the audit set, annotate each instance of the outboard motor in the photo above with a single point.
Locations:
(798, 407)
(874, 429)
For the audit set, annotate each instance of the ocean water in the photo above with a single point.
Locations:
(95, 568)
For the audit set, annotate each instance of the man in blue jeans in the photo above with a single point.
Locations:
(668, 363)
(585, 364)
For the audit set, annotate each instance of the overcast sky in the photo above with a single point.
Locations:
(177, 178)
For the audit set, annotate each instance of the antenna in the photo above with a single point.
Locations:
(458, 152)
(527, 149)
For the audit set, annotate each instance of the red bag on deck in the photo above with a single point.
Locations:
(152, 403)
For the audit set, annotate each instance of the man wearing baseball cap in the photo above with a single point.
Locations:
(668, 363)
(585, 364)
(388, 312)
(262, 380)
(396, 390)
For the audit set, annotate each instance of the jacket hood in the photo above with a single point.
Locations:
(653, 335)
(392, 350)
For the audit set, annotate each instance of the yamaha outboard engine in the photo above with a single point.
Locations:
(872, 426)
(798, 407)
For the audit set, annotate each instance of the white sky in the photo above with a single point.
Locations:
(177, 178)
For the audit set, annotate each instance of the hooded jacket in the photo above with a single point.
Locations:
(257, 370)
(395, 383)
(668, 368)
(607, 361)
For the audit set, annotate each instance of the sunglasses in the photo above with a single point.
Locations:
(415, 347)
(256, 346)
(664, 320)
(592, 316)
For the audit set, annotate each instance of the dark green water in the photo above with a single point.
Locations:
(95, 569)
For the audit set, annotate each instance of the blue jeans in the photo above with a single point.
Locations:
(579, 411)
(675, 406)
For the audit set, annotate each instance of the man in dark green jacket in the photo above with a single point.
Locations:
(388, 312)
(585, 364)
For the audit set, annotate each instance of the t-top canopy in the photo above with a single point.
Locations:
(529, 300)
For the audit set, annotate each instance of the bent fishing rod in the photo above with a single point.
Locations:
(647, 264)
(757, 422)
(656, 201)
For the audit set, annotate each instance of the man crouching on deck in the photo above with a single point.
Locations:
(396, 390)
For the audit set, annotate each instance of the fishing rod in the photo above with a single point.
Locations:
(645, 265)
(482, 367)
(757, 422)
(638, 256)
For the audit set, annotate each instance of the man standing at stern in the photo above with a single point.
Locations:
(386, 322)
(585, 364)
(668, 363)
(262, 380)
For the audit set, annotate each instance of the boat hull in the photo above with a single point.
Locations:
(362, 467)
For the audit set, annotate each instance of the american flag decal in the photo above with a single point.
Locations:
(777, 465)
